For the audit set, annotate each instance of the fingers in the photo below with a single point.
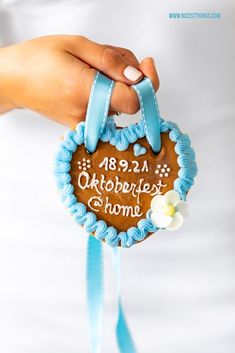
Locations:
(127, 54)
(124, 98)
(149, 70)
(112, 112)
(120, 65)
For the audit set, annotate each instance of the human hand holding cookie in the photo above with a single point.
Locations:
(53, 76)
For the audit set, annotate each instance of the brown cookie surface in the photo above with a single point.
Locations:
(119, 186)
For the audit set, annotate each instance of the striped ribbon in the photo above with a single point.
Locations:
(95, 299)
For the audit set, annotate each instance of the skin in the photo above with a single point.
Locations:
(53, 75)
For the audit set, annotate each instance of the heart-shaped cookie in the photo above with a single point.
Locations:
(113, 192)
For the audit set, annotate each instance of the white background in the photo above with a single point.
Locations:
(178, 288)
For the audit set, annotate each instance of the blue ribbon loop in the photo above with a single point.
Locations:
(150, 112)
(97, 110)
(98, 107)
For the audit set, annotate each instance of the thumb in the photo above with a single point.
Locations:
(107, 59)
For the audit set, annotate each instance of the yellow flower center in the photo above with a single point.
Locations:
(169, 210)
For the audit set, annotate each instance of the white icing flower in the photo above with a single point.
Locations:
(168, 211)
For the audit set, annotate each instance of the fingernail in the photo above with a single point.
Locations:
(132, 74)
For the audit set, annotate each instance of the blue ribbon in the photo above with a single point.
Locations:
(150, 112)
(95, 296)
(123, 335)
(95, 299)
(98, 107)
(97, 110)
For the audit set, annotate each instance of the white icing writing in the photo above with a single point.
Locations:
(96, 202)
(85, 181)
(123, 165)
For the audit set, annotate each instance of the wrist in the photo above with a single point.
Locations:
(7, 89)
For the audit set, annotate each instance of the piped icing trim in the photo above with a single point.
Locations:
(120, 138)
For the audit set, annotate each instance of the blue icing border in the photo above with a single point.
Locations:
(120, 138)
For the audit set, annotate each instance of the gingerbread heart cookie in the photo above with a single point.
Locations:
(123, 184)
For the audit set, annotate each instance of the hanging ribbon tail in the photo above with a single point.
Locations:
(95, 297)
(124, 339)
(123, 335)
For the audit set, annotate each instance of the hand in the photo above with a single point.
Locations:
(53, 76)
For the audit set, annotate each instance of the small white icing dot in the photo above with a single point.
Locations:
(79, 162)
(129, 170)
(161, 175)
(79, 167)
(166, 174)
(84, 164)
(84, 159)
(84, 168)
(165, 166)
(88, 166)
(159, 165)
(156, 171)
(163, 170)
(168, 169)
(88, 161)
